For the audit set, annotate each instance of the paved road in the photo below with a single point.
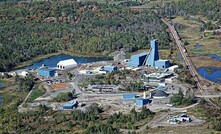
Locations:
(209, 96)
(75, 86)
(190, 66)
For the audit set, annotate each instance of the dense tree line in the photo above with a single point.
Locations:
(25, 84)
(179, 99)
(208, 8)
(63, 97)
(102, 129)
(130, 119)
(28, 29)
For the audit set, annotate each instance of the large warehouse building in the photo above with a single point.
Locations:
(66, 64)
(150, 59)
(137, 60)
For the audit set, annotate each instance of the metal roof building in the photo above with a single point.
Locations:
(137, 60)
(142, 101)
(150, 59)
(46, 72)
(109, 68)
(66, 64)
(153, 58)
(70, 105)
(129, 96)
(160, 94)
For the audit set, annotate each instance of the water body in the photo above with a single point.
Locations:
(198, 46)
(214, 56)
(211, 73)
(51, 62)
(1, 84)
(180, 58)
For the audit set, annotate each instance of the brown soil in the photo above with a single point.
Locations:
(59, 86)
(205, 61)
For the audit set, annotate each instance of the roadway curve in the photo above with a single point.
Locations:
(190, 66)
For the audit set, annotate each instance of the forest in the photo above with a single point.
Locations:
(29, 29)
(207, 8)
(46, 120)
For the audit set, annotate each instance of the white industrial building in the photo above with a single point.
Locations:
(23, 73)
(66, 64)
(173, 68)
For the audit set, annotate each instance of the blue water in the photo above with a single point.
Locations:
(198, 46)
(180, 58)
(211, 73)
(214, 56)
(51, 62)
(1, 84)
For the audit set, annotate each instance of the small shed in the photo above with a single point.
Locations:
(142, 102)
(46, 72)
(109, 68)
(66, 64)
(129, 96)
(70, 105)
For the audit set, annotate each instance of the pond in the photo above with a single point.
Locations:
(211, 73)
(1, 84)
(180, 58)
(214, 56)
(198, 46)
(52, 61)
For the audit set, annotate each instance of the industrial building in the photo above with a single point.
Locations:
(158, 77)
(150, 59)
(179, 118)
(137, 60)
(70, 105)
(142, 101)
(103, 88)
(66, 64)
(129, 96)
(173, 68)
(109, 68)
(45, 72)
(23, 73)
(160, 94)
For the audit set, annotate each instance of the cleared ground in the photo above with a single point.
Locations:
(178, 130)
(59, 86)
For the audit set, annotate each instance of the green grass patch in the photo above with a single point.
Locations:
(39, 91)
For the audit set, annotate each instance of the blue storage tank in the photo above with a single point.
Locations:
(46, 72)
(142, 102)
(137, 60)
(129, 96)
(110, 68)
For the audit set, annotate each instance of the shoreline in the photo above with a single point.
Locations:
(41, 57)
